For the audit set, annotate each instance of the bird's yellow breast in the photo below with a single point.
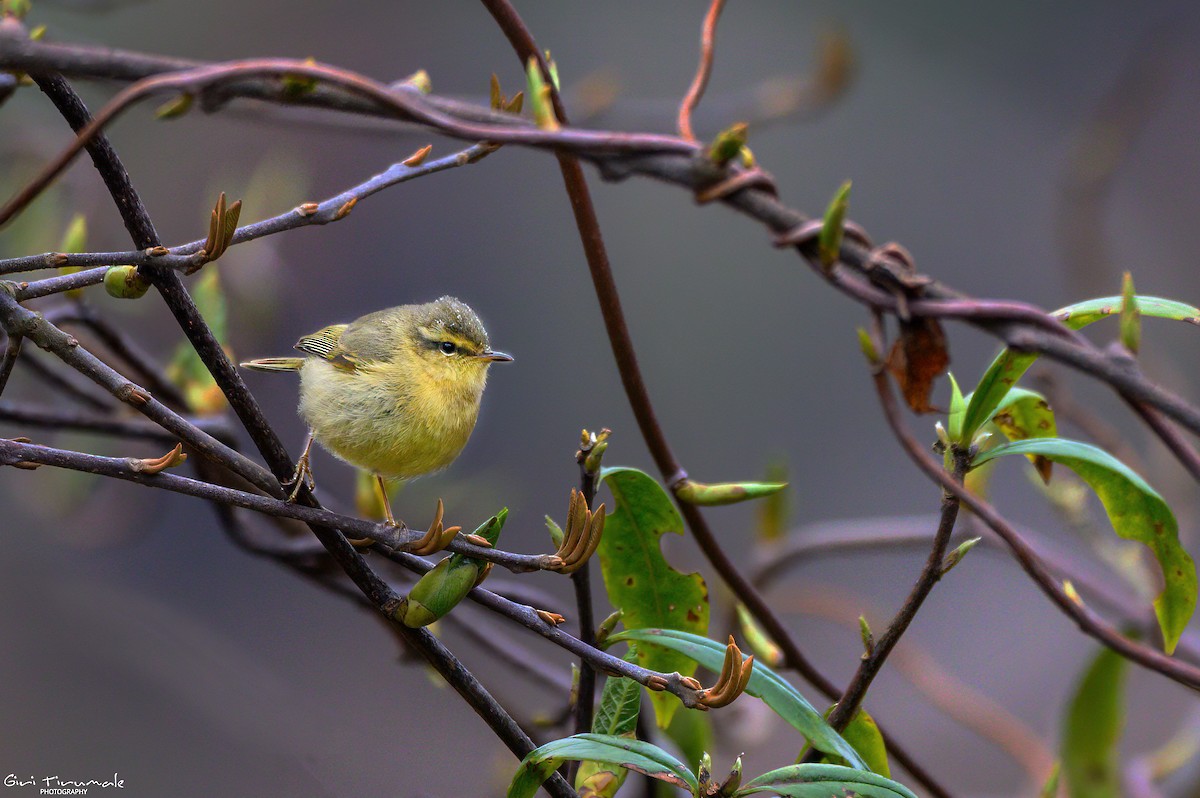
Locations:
(396, 422)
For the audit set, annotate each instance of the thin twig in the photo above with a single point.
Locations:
(708, 40)
(869, 667)
(28, 415)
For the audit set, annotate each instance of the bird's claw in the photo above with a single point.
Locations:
(302, 477)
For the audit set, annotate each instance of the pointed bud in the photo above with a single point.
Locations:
(539, 96)
(74, 240)
(867, 345)
(728, 144)
(955, 557)
(420, 81)
(868, 638)
(607, 626)
(730, 786)
(829, 242)
(175, 107)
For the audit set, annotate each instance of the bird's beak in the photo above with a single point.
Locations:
(496, 357)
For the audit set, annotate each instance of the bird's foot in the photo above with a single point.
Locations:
(302, 477)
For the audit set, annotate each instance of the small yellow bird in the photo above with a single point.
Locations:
(395, 392)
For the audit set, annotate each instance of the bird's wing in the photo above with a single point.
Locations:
(328, 344)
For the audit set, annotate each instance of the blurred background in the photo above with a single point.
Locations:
(1027, 151)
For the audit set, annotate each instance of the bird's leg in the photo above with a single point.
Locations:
(383, 496)
(302, 476)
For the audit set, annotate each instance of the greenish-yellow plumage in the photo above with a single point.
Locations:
(395, 392)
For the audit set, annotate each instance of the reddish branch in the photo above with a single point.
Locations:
(708, 42)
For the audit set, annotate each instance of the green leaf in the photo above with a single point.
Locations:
(1082, 314)
(1026, 414)
(641, 582)
(1050, 788)
(723, 493)
(635, 755)
(958, 409)
(1136, 512)
(617, 715)
(824, 781)
(863, 733)
(1008, 366)
(74, 240)
(620, 701)
(1092, 728)
(773, 689)
(186, 369)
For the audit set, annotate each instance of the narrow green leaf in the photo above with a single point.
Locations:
(186, 369)
(1082, 314)
(1050, 788)
(1092, 728)
(824, 781)
(74, 241)
(1131, 317)
(958, 409)
(773, 689)
(635, 755)
(641, 582)
(1008, 366)
(722, 493)
(829, 241)
(1136, 512)
(761, 644)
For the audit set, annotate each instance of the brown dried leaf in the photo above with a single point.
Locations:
(918, 357)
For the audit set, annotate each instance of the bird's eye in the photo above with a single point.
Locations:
(448, 348)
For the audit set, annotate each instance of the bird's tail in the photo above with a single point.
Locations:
(274, 364)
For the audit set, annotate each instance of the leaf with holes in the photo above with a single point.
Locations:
(641, 582)
(1136, 512)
